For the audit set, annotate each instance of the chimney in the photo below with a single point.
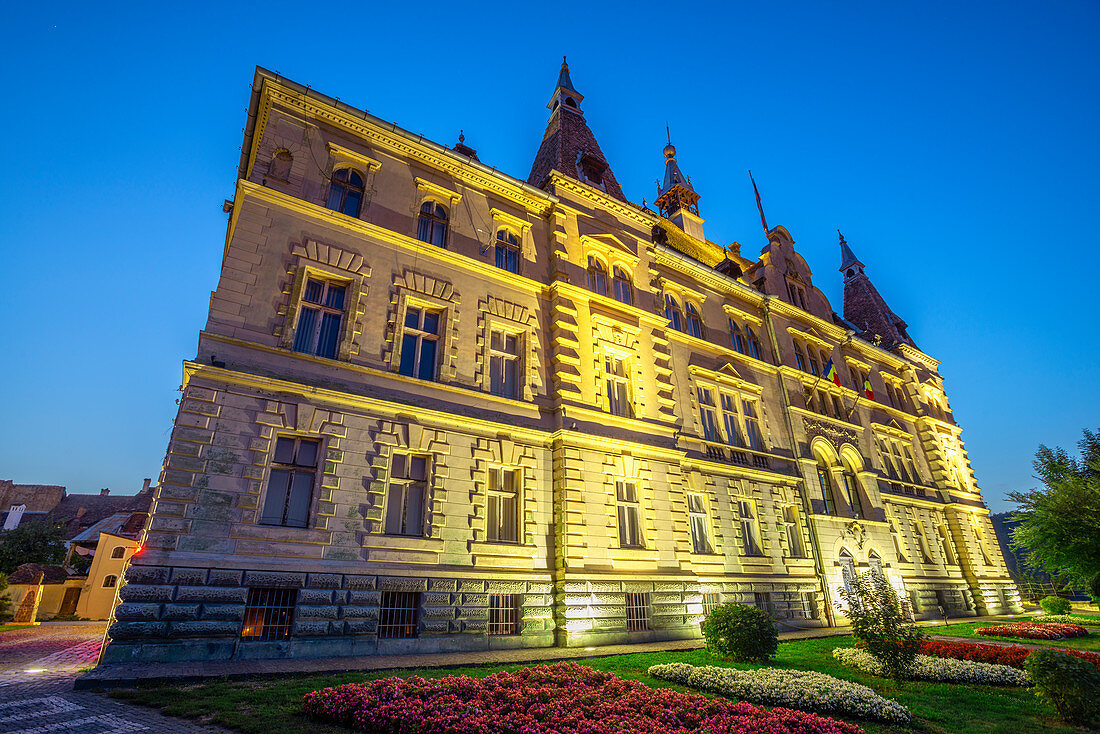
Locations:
(104, 492)
(145, 485)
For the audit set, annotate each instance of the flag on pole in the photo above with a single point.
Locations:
(831, 374)
(759, 206)
(867, 388)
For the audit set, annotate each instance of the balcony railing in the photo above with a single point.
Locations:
(735, 455)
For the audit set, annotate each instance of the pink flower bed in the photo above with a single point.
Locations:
(549, 699)
(1033, 631)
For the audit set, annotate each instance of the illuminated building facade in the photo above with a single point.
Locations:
(439, 408)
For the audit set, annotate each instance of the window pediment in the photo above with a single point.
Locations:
(340, 154)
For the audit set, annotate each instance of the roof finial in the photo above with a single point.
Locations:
(461, 137)
(667, 133)
(842, 240)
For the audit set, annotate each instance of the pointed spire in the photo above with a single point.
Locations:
(865, 307)
(676, 192)
(848, 258)
(568, 146)
(565, 94)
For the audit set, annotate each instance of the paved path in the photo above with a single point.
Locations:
(37, 669)
(129, 674)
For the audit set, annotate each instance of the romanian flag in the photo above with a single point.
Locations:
(831, 374)
(867, 388)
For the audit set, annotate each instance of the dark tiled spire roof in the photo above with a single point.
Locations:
(865, 308)
(568, 146)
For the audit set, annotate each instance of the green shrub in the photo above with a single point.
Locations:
(5, 601)
(1093, 587)
(1055, 605)
(880, 623)
(1070, 684)
(740, 632)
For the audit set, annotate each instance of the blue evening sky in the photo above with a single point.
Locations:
(955, 144)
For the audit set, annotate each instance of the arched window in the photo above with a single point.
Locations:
(825, 482)
(597, 276)
(624, 292)
(847, 570)
(280, 164)
(673, 313)
(754, 345)
(345, 192)
(431, 227)
(118, 552)
(875, 562)
(109, 582)
(507, 251)
(851, 489)
(737, 339)
(799, 357)
(694, 322)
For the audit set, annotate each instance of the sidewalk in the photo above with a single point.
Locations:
(125, 675)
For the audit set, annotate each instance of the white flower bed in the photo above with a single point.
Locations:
(1068, 619)
(797, 689)
(945, 670)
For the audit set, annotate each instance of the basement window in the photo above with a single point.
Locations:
(269, 614)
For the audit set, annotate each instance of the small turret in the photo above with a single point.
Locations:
(864, 307)
(676, 198)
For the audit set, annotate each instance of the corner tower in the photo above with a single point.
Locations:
(568, 146)
(864, 307)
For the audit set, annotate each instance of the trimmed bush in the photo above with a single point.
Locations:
(1055, 605)
(740, 632)
(1072, 686)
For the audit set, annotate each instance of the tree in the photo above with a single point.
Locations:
(1059, 526)
(880, 623)
(31, 542)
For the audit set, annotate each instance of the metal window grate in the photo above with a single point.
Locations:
(504, 614)
(269, 614)
(400, 615)
(637, 612)
(711, 601)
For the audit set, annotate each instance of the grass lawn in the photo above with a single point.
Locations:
(272, 706)
(10, 627)
(1090, 642)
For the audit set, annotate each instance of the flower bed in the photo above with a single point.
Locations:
(944, 670)
(565, 697)
(1009, 655)
(798, 689)
(1033, 631)
(1068, 618)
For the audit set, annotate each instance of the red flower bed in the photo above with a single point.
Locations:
(1034, 631)
(554, 699)
(998, 654)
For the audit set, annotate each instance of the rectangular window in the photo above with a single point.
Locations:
(504, 364)
(290, 484)
(269, 614)
(748, 528)
(503, 510)
(697, 515)
(711, 601)
(504, 614)
(637, 612)
(420, 342)
(708, 416)
(851, 489)
(763, 600)
(809, 605)
(729, 418)
(319, 318)
(897, 542)
(752, 425)
(826, 490)
(794, 532)
(618, 387)
(407, 494)
(922, 545)
(400, 615)
(630, 526)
